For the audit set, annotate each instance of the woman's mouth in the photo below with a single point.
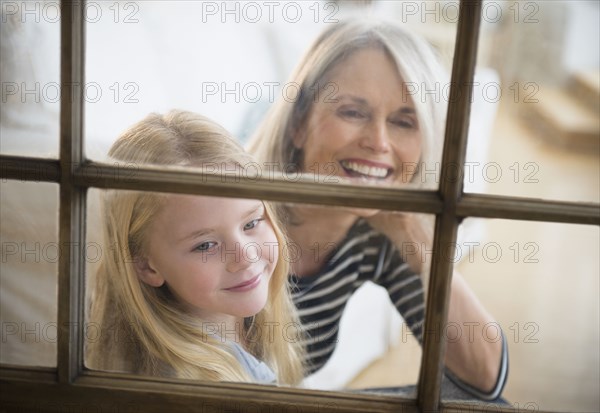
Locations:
(361, 169)
(246, 285)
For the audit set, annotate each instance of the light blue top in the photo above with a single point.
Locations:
(258, 370)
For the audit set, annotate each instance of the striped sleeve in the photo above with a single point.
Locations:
(404, 287)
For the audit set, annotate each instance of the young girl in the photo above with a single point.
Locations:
(191, 286)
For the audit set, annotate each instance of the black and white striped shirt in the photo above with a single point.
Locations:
(364, 255)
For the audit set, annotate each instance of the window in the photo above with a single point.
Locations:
(70, 386)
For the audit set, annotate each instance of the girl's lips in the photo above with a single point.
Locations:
(246, 285)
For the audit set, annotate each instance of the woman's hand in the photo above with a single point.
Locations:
(411, 233)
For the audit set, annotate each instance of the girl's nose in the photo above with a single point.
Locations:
(239, 256)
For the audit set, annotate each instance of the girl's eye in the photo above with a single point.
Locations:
(205, 246)
(252, 224)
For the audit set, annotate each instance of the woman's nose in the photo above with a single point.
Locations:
(376, 137)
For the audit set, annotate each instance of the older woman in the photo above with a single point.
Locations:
(357, 117)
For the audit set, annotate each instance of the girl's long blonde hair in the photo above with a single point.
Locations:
(143, 329)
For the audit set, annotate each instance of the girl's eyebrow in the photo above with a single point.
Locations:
(254, 210)
(206, 231)
(196, 234)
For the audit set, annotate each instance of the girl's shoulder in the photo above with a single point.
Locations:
(258, 370)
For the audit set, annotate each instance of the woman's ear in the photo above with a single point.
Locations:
(146, 273)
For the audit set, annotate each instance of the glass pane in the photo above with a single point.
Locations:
(221, 244)
(30, 73)
(234, 62)
(226, 61)
(540, 281)
(28, 280)
(536, 107)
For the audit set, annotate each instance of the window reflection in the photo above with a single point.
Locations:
(548, 295)
(29, 276)
(31, 89)
(539, 91)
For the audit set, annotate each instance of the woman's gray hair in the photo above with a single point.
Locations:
(417, 65)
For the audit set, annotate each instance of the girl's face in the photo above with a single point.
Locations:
(363, 125)
(216, 255)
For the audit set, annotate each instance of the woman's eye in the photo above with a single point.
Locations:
(205, 246)
(404, 123)
(252, 224)
(352, 114)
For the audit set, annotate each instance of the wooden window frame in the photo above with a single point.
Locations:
(72, 387)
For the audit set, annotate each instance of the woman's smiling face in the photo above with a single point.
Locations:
(368, 130)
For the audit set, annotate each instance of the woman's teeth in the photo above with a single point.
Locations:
(370, 171)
